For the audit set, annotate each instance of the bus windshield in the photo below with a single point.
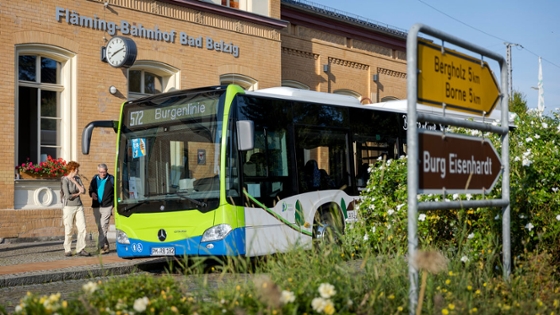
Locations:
(169, 153)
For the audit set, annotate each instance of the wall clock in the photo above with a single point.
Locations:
(121, 52)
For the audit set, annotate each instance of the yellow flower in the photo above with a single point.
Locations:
(473, 310)
(391, 297)
(451, 306)
(238, 288)
(469, 288)
(477, 292)
(447, 281)
(451, 273)
(174, 309)
(329, 307)
(444, 311)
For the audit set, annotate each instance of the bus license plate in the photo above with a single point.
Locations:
(163, 251)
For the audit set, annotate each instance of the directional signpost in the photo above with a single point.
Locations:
(443, 162)
(458, 80)
(456, 163)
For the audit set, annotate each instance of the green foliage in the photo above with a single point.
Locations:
(518, 104)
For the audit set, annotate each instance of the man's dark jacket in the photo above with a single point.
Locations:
(108, 192)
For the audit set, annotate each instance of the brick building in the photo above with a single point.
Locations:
(56, 78)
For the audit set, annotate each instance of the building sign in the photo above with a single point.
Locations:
(138, 30)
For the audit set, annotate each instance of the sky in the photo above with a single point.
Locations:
(532, 27)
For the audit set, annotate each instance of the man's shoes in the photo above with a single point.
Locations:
(105, 250)
(84, 253)
(68, 254)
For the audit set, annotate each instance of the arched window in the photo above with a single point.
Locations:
(349, 93)
(149, 78)
(389, 98)
(45, 103)
(244, 81)
(295, 84)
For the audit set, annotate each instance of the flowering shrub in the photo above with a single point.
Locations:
(51, 167)
(474, 235)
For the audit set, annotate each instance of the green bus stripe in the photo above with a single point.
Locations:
(278, 217)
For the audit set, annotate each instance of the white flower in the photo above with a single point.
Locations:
(366, 237)
(422, 217)
(554, 189)
(141, 304)
(18, 308)
(388, 226)
(326, 290)
(529, 226)
(287, 297)
(464, 259)
(90, 287)
(390, 211)
(522, 216)
(455, 196)
(497, 217)
(544, 125)
(529, 139)
(379, 158)
(446, 200)
(318, 304)
(517, 159)
(526, 162)
(400, 206)
(495, 122)
(558, 217)
(470, 236)
(469, 196)
(373, 229)
(537, 137)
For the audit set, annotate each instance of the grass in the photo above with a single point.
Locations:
(327, 280)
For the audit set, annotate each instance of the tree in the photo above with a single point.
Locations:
(518, 104)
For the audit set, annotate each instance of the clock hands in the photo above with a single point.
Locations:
(116, 52)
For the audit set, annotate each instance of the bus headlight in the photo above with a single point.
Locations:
(215, 233)
(122, 238)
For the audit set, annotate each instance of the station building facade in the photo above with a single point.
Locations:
(56, 77)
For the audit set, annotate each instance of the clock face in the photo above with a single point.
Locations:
(120, 52)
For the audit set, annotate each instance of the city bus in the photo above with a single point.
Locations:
(220, 171)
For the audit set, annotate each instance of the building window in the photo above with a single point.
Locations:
(245, 82)
(261, 7)
(144, 82)
(149, 78)
(43, 110)
(295, 84)
(348, 93)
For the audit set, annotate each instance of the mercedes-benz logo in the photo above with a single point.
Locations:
(161, 235)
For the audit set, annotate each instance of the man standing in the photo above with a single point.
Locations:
(102, 195)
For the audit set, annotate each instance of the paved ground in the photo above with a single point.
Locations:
(42, 268)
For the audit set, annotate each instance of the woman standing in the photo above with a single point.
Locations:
(72, 188)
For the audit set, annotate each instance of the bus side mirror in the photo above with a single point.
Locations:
(245, 135)
(88, 130)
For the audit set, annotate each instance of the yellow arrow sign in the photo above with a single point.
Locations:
(460, 81)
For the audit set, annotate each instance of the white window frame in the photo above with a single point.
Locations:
(349, 93)
(247, 83)
(295, 84)
(69, 136)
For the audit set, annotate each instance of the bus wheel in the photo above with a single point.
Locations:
(326, 228)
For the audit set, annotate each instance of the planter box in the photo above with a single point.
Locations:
(37, 176)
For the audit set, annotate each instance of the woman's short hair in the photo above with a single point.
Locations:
(72, 165)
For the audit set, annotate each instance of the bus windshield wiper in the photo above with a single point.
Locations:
(144, 202)
(194, 201)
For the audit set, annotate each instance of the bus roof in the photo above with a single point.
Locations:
(399, 106)
(402, 106)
